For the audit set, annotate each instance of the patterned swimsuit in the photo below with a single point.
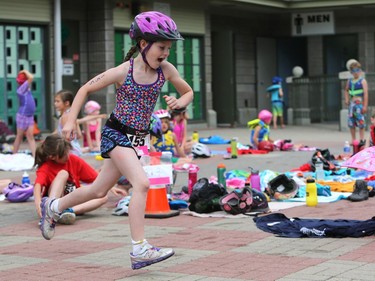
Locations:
(134, 106)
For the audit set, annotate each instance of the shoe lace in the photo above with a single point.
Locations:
(151, 253)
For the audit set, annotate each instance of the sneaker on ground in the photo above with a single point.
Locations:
(49, 219)
(150, 256)
(67, 217)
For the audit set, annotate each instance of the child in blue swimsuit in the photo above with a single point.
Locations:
(277, 99)
(356, 97)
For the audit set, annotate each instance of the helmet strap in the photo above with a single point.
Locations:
(144, 52)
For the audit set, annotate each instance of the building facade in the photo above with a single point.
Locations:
(231, 51)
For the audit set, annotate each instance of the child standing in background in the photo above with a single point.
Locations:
(356, 97)
(25, 113)
(277, 100)
(138, 83)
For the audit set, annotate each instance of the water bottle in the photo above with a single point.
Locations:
(221, 174)
(193, 177)
(166, 157)
(319, 170)
(195, 136)
(233, 145)
(25, 178)
(346, 148)
(311, 193)
(255, 180)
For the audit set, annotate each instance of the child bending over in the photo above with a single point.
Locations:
(59, 173)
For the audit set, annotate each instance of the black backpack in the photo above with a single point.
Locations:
(206, 196)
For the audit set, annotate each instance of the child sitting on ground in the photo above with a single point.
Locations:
(179, 121)
(168, 141)
(59, 173)
(260, 131)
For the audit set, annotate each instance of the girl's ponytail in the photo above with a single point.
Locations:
(53, 145)
(130, 53)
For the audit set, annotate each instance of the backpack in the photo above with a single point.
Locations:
(206, 196)
(326, 157)
(15, 192)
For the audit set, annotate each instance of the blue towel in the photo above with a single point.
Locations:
(213, 140)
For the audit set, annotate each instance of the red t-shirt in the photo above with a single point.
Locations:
(79, 171)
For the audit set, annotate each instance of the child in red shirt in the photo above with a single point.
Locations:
(59, 173)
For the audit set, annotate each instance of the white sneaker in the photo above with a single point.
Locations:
(49, 218)
(67, 217)
(150, 256)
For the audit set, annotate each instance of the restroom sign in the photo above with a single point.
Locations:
(313, 23)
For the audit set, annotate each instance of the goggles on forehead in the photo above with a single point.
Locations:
(356, 70)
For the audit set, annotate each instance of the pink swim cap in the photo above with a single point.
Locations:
(91, 106)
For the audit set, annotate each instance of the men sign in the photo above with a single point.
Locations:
(313, 23)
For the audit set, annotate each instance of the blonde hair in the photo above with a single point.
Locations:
(355, 64)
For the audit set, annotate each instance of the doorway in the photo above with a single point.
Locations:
(223, 78)
(70, 51)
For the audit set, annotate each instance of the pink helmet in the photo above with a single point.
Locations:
(154, 26)
(265, 115)
(162, 113)
(18, 193)
(91, 106)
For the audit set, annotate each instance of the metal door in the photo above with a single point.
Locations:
(223, 78)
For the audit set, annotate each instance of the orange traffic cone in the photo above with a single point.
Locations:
(157, 205)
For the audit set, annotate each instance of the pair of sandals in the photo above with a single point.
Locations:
(238, 201)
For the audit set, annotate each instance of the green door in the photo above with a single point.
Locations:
(21, 47)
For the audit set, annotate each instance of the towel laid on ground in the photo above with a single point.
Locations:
(16, 162)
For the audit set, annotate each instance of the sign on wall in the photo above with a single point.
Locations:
(313, 23)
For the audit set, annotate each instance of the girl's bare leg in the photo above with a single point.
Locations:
(57, 187)
(127, 162)
(89, 205)
(18, 140)
(106, 179)
(362, 134)
(274, 121)
(352, 133)
(31, 139)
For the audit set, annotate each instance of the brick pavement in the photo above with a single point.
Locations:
(96, 247)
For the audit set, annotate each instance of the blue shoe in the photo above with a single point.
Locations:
(149, 256)
(67, 217)
(49, 218)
